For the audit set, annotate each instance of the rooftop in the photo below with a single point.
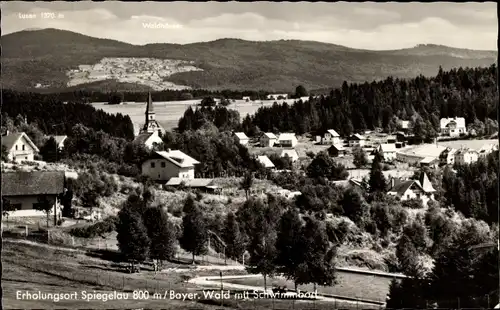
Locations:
(270, 135)
(178, 158)
(287, 136)
(264, 160)
(29, 183)
(241, 135)
(333, 133)
(11, 139)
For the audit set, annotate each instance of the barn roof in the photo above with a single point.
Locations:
(28, 183)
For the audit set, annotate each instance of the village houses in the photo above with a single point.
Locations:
(453, 127)
(268, 139)
(330, 137)
(266, 162)
(413, 189)
(164, 165)
(149, 139)
(23, 189)
(242, 138)
(357, 140)
(337, 150)
(387, 151)
(447, 157)
(466, 156)
(276, 96)
(287, 140)
(19, 147)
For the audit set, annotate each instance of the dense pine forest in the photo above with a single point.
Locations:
(52, 116)
(471, 93)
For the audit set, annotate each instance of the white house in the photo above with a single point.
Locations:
(246, 98)
(287, 140)
(453, 126)
(268, 139)
(357, 140)
(266, 162)
(447, 157)
(487, 149)
(466, 156)
(290, 153)
(242, 138)
(276, 96)
(330, 137)
(149, 139)
(23, 189)
(388, 151)
(413, 189)
(60, 141)
(19, 147)
(164, 165)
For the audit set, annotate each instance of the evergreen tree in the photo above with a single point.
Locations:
(5, 153)
(161, 232)
(194, 232)
(247, 183)
(377, 179)
(360, 160)
(133, 240)
(288, 245)
(235, 243)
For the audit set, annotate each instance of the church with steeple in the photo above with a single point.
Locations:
(150, 134)
(150, 124)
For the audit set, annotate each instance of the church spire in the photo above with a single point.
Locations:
(149, 107)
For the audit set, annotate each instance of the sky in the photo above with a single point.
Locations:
(364, 25)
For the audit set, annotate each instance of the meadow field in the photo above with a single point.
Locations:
(168, 113)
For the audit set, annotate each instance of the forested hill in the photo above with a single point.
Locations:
(469, 93)
(53, 116)
(44, 56)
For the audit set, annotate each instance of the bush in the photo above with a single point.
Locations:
(412, 204)
(98, 229)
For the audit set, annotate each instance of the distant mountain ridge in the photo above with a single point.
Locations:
(44, 56)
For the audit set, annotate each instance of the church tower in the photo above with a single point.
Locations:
(150, 124)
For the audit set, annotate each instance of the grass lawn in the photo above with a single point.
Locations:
(349, 285)
(38, 268)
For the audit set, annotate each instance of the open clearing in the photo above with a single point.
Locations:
(168, 113)
(38, 268)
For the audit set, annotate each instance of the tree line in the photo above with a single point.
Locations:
(53, 116)
(465, 92)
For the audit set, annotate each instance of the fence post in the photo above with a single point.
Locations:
(26, 229)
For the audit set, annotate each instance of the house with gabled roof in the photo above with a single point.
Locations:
(453, 126)
(164, 165)
(22, 190)
(242, 138)
(387, 150)
(447, 157)
(466, 156)
(19, 147)
(337, 150)
(357, 140)
(266, 162)
(149, 139)
(287, 140)
(292, 154)
(268, 139)
(330, 137)
(413, 189)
